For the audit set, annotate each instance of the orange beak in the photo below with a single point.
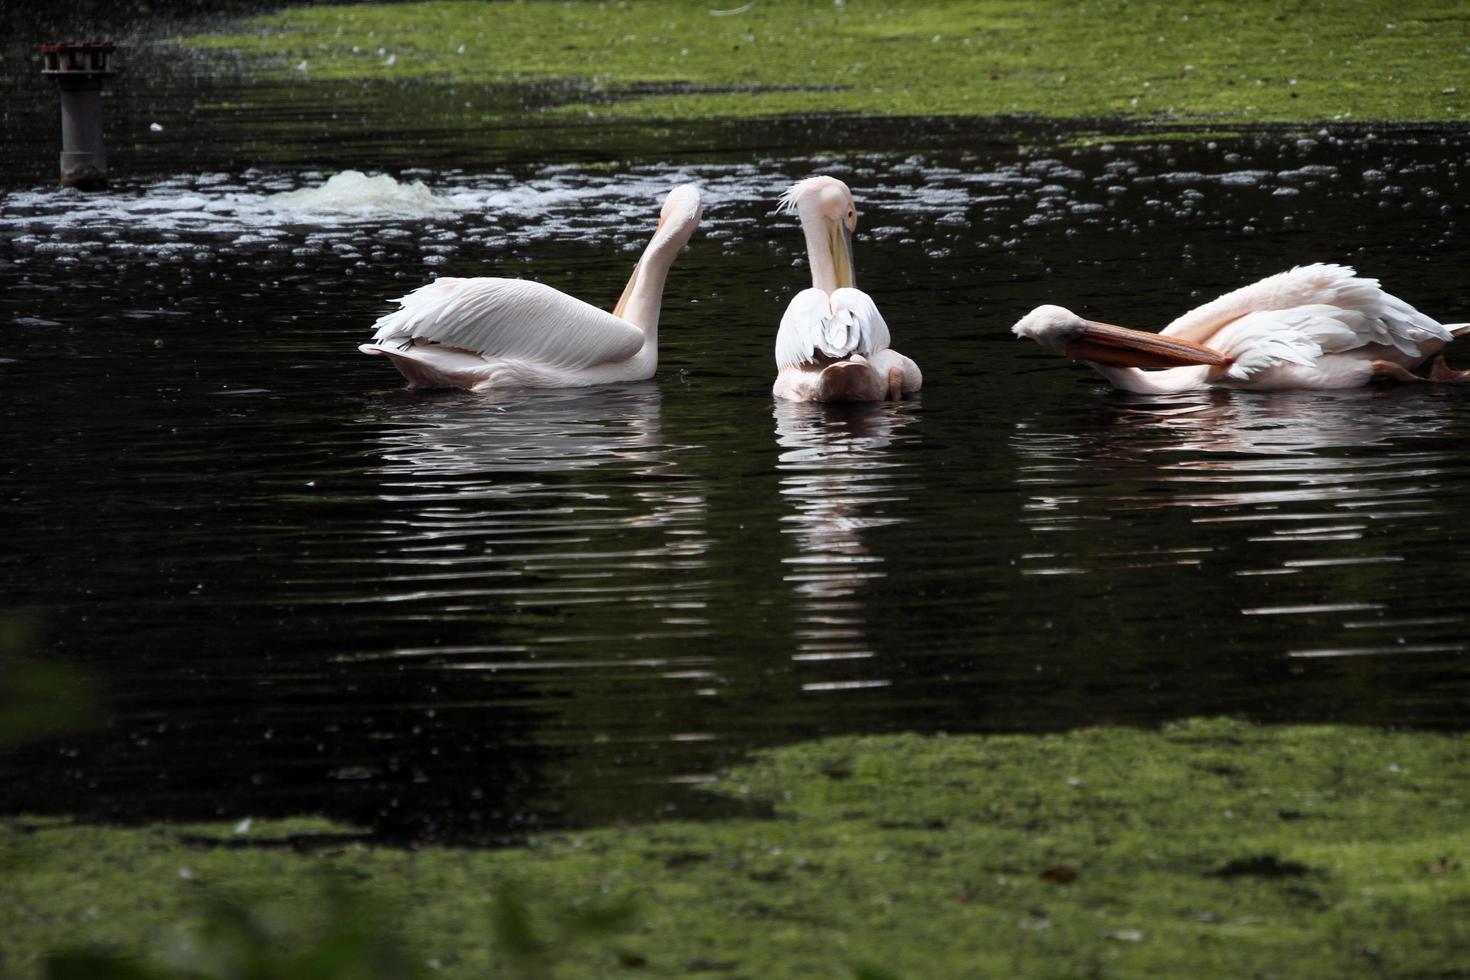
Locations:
(1103, 343)
(627, 290)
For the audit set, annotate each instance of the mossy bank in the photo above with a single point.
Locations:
(1231, 61)
(1210, 849)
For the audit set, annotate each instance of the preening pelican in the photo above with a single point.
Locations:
(1317, 326)
(833, 344)
(491, 333)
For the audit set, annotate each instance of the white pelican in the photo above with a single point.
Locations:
(1317, 326)
(491, 333)
(833, 344)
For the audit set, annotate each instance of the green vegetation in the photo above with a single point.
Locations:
(36, 698)
(1220, 61)
(1210, 849)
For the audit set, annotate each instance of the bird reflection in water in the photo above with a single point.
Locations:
(557, 430)
(1273, 467)
(1318, 441)
(569, 501)
(841, 479)
(1272, 424)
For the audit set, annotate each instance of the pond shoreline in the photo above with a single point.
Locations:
(1214, 847)
(1217, 63)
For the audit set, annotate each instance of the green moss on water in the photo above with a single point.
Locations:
(1177, 136)
(1231, 61)
(1210, 849)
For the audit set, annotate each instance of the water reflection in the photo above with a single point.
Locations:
(1218, 449)
(570, 503)
(1285, 423)
(837, 474)
(454, 435)
(1299, 516)
(563, 533)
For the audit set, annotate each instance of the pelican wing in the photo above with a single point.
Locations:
(511, 318)
(838, 325)
(1363, 312)
(1271, 338)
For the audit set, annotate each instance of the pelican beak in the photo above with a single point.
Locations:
(839, 240)
(628, 289)
(1103, 343)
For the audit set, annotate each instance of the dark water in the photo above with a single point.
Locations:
(304, 589)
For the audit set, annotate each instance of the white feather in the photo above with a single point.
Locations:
(872, 330)
(845, 323)
(790, 197)
(510, 318)
(1362, 313)
(1260, 341)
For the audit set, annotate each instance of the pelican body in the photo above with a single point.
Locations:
(833, 343)
(487, 333)
(1317, 326)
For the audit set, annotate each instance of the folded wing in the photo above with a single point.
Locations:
(1302, 302)
(835, 325)
(1301, 335)
(510, 318)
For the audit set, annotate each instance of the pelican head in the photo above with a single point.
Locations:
(680, 215)
(828, 218)
(1102, 343)
(1051, 326)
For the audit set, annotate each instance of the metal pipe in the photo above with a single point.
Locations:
(79, 71)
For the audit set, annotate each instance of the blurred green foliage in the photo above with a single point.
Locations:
(36, 697)
(354, 938)
(530, 948)
(240, 940)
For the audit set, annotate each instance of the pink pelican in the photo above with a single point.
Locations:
(1317, 326)
(833, 344)
(487, 333)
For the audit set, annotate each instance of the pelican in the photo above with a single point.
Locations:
(833, 344)
(487, 333)
(1317, 326)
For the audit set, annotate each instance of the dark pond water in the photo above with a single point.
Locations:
(304, 589)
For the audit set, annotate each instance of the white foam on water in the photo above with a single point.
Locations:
(303, 218)
(1244, 177)
(353, 192)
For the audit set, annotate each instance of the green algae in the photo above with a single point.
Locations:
(1206, 61)
(1216, 848)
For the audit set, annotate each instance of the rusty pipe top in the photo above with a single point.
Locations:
(73, 58)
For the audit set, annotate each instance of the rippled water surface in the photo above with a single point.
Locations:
(305, 589)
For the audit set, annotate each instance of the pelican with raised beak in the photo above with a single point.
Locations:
(832, 345)
(487, 333)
